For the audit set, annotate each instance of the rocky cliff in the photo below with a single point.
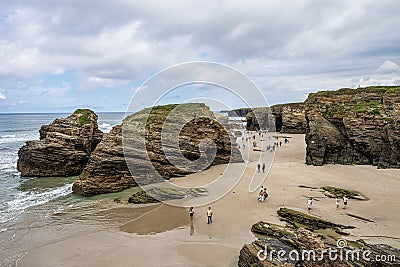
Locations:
(354, 126)
(240, 112)
(149, 142)
(285, 118)
(64, 146)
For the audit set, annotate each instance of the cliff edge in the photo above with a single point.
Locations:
(354, 126)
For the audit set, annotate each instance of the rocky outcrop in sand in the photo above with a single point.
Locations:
(294, 245)
(107, 169)
(354, 126)
(64, 146)
(285, 118)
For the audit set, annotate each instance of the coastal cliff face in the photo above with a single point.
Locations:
(107, 169)
(285, 118)
(64, 146)
(354, 126)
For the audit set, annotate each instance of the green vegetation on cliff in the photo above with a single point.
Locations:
(350, 91)
(83, 116)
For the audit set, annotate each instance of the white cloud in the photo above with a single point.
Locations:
(287, 47)
(105, 82)
(2, 96)
(388, 67)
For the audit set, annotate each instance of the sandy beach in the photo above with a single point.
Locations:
(164, 236)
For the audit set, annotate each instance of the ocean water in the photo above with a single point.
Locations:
(29, 205)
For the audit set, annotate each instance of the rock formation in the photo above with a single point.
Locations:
(354, 126)
(144, 133)
(296, 244)
(240, 112)
(285, 118)
(154, 195)
(290, 118)
(64, 146)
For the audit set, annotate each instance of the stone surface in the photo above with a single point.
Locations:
(298, 246)
(354, 126)
(300, 219)
(334, 192)
(162, 193)
(154, 149)
(285, 118)
(106, 170)
(64, 146)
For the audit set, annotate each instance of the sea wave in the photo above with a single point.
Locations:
(8, 136)
(23, 200)
(105, 127)
(17, 138)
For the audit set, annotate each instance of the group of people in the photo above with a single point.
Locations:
(261, 167)
(263, 194)
(345, 200)
(209, 214)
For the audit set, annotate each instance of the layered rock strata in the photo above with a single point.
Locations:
(297, 244)
(156, 144)
(354, 126)
(285, 118)
(64, 146)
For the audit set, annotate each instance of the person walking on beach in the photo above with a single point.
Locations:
(345, 199)
(209, 215)
(258, 167)
(265, 194)
(263, 167)
(261, 194)
(309, 203)
(191, 213)
(337, 202)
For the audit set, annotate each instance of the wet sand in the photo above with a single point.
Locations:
(164, 236)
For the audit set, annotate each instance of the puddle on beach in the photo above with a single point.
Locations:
(160, 219)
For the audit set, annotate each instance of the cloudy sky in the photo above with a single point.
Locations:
(60, 55)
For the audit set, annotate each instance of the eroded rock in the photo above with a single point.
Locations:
(296, 246)
(354, 126)
(154, 150)
(64, 146)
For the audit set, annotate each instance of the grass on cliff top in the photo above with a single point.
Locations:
(83, 116)
(292, 105)
(161, 112)
(350, 91)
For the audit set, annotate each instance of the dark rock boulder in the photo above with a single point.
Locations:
(354, 126)
(158, 194)
(64, 146)
(300, 219)
(299, 245)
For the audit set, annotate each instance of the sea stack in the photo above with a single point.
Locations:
(354, 126)
(107, 169)
(285, 118)
(64, 146)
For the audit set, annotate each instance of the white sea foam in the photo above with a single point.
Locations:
(23, 200)
(105, 127)
(8, 136)
(14, 138)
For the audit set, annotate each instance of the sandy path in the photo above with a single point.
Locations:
(199, 244)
